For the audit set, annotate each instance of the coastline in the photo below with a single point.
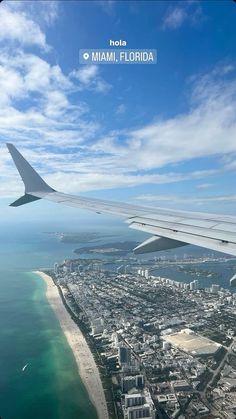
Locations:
(87, 367)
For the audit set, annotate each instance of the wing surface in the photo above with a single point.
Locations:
(169, 228)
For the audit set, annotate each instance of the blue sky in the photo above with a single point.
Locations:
(161, 134)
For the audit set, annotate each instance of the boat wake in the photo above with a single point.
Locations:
(25, 366)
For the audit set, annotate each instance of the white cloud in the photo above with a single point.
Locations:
(53, 129)
(86, 74)
(207, 129)
(56, 103)
(37, 73)
(48, 11)
(16, 26)
(40, 11)
(175, 18)
(75, 176)
(121, 109)
(189, 12)
(124, 158)
(11, 85)
(185, 199)
(107, 5)
(90, 79)
(48, 109)
(205, 185)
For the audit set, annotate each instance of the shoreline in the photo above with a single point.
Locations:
(87, 367)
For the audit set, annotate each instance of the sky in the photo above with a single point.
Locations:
(162, 134)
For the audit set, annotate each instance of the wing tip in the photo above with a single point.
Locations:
(25, 199)
(31, 179)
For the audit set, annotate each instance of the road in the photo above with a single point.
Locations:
(202, 394)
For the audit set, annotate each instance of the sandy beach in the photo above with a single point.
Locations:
(88, 370)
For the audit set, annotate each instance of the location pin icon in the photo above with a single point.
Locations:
(85, 56)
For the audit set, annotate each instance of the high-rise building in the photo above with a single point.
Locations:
(124, 355)
(55, 268)
(139, 405)
(196, 282)
(146, 273)
(71, 266)
(97, 326)
(166, 346)
(134, 381)
(215, 288)
(139, 380)
(138, 412)
(127, 383)
(136, 399)
(192, 286)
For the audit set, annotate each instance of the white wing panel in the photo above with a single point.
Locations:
(229, 248)
(189, 229)
(214, 231)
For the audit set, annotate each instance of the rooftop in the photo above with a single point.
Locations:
(189, 341)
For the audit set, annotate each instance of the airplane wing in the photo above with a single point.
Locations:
(169, 228)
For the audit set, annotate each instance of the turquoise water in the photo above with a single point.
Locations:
(50, 386)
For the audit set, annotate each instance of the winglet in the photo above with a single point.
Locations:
(25, 199)
(32, 181)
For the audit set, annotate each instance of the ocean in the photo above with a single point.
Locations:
(30, 334)
(50, 386)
